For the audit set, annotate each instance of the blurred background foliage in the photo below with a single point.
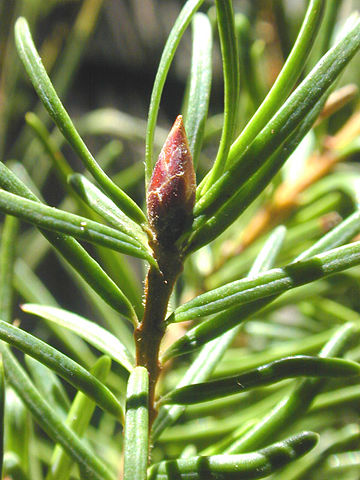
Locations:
(102, 56)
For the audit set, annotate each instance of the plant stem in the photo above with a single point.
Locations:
(159, 285)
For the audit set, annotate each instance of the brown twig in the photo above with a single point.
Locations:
(158, 288)
(337, 100)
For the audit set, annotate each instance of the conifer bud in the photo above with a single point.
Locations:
(171, 193)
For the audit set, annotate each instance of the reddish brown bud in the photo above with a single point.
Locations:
(171, 193)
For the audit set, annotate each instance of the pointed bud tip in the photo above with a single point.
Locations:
(171, 193)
